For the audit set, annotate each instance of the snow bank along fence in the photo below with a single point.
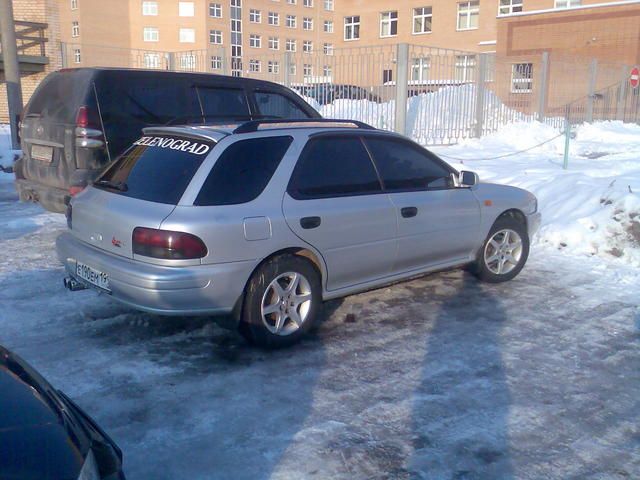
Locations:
(435, 95)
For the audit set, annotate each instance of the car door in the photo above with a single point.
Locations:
(335, 203)
(438, 222)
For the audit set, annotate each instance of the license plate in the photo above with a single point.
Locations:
(93, 276)
(42, 153)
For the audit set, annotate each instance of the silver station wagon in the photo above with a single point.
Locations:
(267, 219)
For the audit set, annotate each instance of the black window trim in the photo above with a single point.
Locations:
(222, 86)
(293, 193)
(301, 106)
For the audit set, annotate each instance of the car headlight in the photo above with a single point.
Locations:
(89, 469)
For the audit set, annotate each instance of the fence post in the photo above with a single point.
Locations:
(402, 84)
(622, 93)
(593, 75)
(480, 94)
(544, 86)
(171, 57)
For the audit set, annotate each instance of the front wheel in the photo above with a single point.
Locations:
(281, 302)
(504, 252)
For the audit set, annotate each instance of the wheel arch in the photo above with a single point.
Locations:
(513, 213)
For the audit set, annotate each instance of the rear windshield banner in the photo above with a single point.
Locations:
(181, 144)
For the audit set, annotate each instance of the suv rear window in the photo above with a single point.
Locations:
(155, 168)
(243, 171)
(60, 95)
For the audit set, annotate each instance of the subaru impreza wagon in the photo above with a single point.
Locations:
(267, 219)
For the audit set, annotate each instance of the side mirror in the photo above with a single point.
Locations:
(468, 179)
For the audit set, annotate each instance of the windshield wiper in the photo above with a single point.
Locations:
(121, 186)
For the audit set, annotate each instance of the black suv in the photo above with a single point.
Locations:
(78, 120)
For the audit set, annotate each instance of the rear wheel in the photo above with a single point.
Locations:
(504, 252)
(281, 302)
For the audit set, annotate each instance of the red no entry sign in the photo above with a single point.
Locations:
(634, 78)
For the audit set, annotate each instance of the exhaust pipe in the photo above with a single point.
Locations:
(72, 284)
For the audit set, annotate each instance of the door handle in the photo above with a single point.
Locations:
(310, 222)
(408, 212)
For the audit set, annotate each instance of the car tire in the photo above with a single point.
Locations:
(282, 301)
(504, 252)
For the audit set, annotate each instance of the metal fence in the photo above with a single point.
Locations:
(434, 95)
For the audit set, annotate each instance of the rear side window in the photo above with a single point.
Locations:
(334, 167)
(223, 103)
(155, 168)
(60, 95)
(274, 105)
(403, 166)
(242, 171)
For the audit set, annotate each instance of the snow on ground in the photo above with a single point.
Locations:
(438, 377)
(7, 155)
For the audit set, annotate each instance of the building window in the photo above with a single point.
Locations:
(307, 70)
(291, 21)
(521, 77)
(327, 48)
(509, 6)
(255, 16)
(307, 46)
(567, 3)
(274, 18)
(215, 37)
(273, 67)
(352, 28)
(188, 62)
(387, 76)
(468, 13)
(187, 35)
(74, 4)
(215, 10)
(307, 3)
(151, 34)
(465, 68)
(216, 62)
(150, 8)
(151, 60)
(254, 66)
(292, 2)
(255, 41)
(186, 9)
(77, 57)
(290, 45)
(75, 29)
(274, 43)
(328, 5)
(307, 23)
(328, 26)
(326, 70)
(292, 69)
(422, 18)
(236, 26)
(388, 24)
(420, 69)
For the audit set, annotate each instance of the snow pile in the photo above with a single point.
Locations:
(7, 155)
(591, 208)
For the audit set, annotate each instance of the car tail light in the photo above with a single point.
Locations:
(82, 117)
(75, 189)
(87, 128)
(166, 244)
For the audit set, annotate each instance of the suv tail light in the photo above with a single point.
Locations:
(166, 244)
(75, 189)
(87, 128)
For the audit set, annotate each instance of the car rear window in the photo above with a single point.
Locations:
(243, 171)
(60, 95)
(156, 168)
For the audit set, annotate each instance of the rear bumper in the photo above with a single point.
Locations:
(194, 290)
(51, 198)
(533, 224)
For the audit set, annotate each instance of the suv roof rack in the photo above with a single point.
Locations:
(254, 125)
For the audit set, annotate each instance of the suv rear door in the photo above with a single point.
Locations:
(335, 203)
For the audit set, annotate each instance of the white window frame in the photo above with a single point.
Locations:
(274, 43)
(307, 70)
(307, 23)
(216, 62)
(327, 48)
(75, 29)
(215, 10)
(292, 2)
(255, 41)
(215, 37)
(274, 19)
(186, 9)
(291, 21)
(425, 15)
(465, 67)
(187, 35)
(255, 16)
(352, 25)
(466, 12)
(292, 69)
(254, 66)
(327, 71)
(74, 4)
(273, 66)
(561, 4)
(307, 3)
(150, 9)
(328, 26)
(77, 56)
(151, 60)
(329, 5)
(307, 46)
(150, 34)
(291, 45)
(388, 19)
(507, 7)
(420, 69)
(518, 77)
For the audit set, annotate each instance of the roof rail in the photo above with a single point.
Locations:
(254, 125)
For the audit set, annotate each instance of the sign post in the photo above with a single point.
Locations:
(634, 78)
